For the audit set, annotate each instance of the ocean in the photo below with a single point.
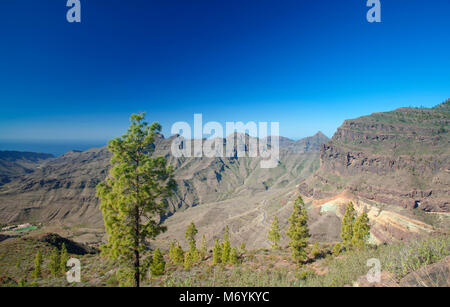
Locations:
(57, 148)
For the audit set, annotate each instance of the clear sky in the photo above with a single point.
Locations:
(307, 64)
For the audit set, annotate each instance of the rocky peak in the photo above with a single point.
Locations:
(398, 157)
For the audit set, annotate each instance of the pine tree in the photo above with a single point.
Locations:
(191, 232)
(274, 235)
(158, 265)
(298, 230)
(195, 255)
(226, 234)
(133, 196)
(172, 251)
(176, 253)
(54, 264)
(217, 252)
(233, 256)
(179, 252)
(226, 251)
(361, 231)
(226, 247)
(187, 261)
(203, 248)
(347, 226)
(63, 259)
(37, 273)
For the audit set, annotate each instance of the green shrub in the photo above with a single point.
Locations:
(337, 249)
(306, 274)
(399, 258)
(316, 251)
(157, 266)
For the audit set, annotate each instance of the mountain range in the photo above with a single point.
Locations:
(393, 165)
(62, 189)
(400, 157)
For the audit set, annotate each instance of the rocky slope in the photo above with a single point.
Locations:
(14, 164)
(393, 165)
(398, 158)
(62, 190)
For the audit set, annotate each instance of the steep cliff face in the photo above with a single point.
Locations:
(400, 157)
(388, 222)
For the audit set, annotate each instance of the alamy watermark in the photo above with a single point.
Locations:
(242, 140)
(74, 274)
(74, 13)
(374, 14)
(374, 274)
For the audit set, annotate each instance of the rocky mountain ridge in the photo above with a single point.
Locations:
(62, 189)
(393, 165)
(400, 157)
(14, 164)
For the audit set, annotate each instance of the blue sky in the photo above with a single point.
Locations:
(306, 64)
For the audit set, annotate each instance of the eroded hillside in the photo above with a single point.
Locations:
(62, 190)
(400, 158)
(14, 164)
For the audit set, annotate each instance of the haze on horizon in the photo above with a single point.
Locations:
(307, 65)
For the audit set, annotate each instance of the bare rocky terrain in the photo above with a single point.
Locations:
(400, 157)
(393, 165)
(62, 190)
(14, 164)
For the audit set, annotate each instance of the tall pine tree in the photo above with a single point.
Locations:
(298, 231)
(361, 231)
(233, 256)
(347, 226)
(187, 261)
(54, 263)
(274, 235)
(203, 248)
(64, 257)
(191, 232)
(226, 249)
(217, 252)
(133, 196)
(158, 264)
(37, 273)
(176, 253)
